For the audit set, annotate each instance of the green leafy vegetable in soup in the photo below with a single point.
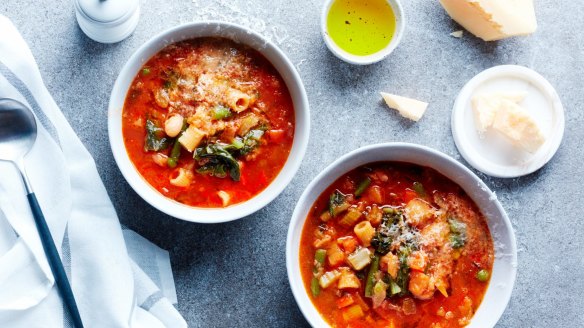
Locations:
(156, 140)
(216, 160)
(457, 233)
(338, 203)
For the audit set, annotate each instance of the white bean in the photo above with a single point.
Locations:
(173, 125)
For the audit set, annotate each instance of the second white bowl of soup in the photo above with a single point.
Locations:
(399, 234)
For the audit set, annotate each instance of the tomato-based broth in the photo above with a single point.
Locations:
(395, 245)
(208, 122)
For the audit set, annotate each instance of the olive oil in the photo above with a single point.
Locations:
(361, 27)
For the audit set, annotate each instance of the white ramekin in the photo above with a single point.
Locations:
(400, 25)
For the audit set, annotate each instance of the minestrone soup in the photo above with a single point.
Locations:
(395, 245)
(208, 122)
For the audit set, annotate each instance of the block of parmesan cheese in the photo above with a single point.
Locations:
(407, 107)
(493, 19)
(485, 106)
(514, 122)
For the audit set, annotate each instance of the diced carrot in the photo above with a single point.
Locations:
(409, 306)
(353, 312)
(375, 216)
(417, 260)
(349, 243)
(335, 255)
(390, 262)
(409, 195)
(276, 135)
(345, 301)
(359, 300)
(325, 216)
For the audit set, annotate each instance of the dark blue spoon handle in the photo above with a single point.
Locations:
(54, 261)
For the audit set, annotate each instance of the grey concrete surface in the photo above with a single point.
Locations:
(234, 274)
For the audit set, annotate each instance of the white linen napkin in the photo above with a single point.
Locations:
(119, 279)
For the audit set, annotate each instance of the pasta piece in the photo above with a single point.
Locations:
(160, 159)
(183, 179)
(191, 138)
(237, 100)
(225, 197)
(359, 258)
(161, 98)
(173, 125)
(364, 232)
(353, 215)
(322, 242)
(328, 278)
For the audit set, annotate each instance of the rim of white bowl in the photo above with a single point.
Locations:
(400, 26)
(504, 270)
(209, 29)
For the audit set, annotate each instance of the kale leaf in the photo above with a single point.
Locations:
(216, 160)
(156, 140)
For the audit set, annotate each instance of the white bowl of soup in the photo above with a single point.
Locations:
(400, 235)
(208, 122)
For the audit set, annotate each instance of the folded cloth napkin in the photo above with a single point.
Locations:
(119, 279)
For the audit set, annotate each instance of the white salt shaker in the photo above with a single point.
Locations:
(107, 21)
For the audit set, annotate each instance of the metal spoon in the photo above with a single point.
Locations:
(18, 132)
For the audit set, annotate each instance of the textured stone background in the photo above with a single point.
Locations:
(234, 274)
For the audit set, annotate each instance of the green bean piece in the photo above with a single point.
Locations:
(370, 282)
(314, 286)
(419, 189)
(362, 187)
(320, 255)
(482, 275)
(172, 160)
(145, 71)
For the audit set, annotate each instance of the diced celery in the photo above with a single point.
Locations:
(359, 258)
(320, 255)
(394, 288)
(419, 189)
(352, 216)
(353, 312)
(221, 112)
(328, 278)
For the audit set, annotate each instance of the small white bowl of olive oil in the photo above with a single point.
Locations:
(362, 32)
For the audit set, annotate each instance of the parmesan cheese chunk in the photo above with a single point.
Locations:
(407, 107)
(514, 122)
(457, 34)
(493, 19)
(485, 106)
